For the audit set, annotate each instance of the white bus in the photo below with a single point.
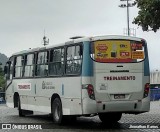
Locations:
(102, 75)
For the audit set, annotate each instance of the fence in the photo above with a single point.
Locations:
(154, 94)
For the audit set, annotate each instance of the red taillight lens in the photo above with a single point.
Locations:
(90, 91)
(146, 90)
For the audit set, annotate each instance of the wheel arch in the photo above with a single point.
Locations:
(15, 99)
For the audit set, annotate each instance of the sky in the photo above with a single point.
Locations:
(22, 23)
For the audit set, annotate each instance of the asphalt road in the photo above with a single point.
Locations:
(147, 122)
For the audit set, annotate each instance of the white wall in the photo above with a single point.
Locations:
(155, 77)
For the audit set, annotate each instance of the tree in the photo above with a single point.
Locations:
(149, 15)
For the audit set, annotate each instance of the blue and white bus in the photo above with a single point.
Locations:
(102, 75)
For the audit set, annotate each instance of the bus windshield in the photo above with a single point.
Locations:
(117, 51)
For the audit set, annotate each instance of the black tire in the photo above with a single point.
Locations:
(57, 111)
(110, 117)
(20, 111)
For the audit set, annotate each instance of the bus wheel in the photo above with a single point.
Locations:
(110, 117)
(57, 111)
(20, 111)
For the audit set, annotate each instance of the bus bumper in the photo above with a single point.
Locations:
(135, 106)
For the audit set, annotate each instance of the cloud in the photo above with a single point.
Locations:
(23, 23)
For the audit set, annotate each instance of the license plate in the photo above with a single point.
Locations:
(119, 96)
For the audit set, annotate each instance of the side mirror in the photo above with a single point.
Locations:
(9, 62)
(5, 69)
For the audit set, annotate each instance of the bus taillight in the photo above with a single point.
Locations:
(146, 90)
(90, 90)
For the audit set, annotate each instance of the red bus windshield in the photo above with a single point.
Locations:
(117, 51)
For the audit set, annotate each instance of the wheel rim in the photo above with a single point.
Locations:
(57, 112)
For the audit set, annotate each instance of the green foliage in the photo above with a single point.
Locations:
(1, 71)
(149, 14)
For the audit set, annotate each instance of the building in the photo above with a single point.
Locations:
(155, 78)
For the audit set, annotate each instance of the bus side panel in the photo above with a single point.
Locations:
(89, 105)
(37, 102)
(9, 96)
(10, 92)
(38, 95)
(9, 100)
(71, 106)
(146, 101)
(40, 90)
(69, 90)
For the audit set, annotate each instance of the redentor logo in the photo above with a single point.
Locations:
(110, 78)
(24, 86)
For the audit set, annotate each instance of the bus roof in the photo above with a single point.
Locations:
(95, 38)
(116, 37)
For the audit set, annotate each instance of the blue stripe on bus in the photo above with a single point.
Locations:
(146, 65)
(62, 89)
(87, 65)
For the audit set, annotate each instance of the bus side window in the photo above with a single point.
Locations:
(56, 65)
(42, 64)
(7, 70)
(28, 68)
(74, 59)
(11, 68)
(92, 51)
(19, 66)
(14, 68)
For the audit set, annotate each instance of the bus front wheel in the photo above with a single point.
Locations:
(57, 111)
(110, 117)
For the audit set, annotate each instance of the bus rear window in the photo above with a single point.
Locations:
(117, 51)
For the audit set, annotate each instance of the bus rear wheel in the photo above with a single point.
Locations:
(110, 117)
(57, 111)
